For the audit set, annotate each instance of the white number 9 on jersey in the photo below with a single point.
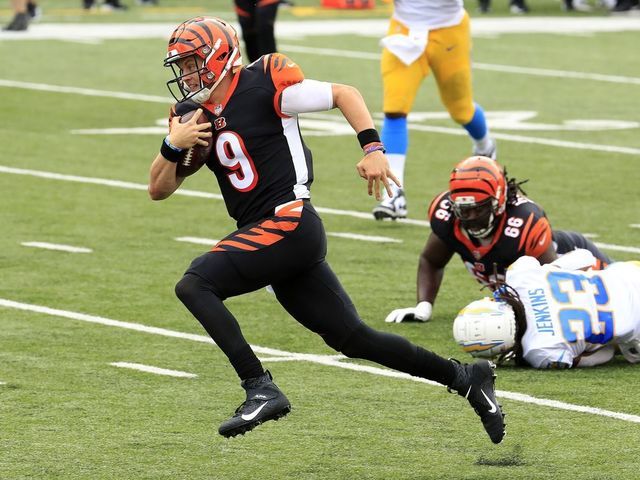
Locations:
(233, 155)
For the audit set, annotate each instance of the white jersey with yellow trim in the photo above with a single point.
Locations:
(428, 13)
(572, 312)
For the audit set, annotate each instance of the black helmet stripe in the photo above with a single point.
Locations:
(207, 30)
(185, 42)
(198, 36)
(223, 29)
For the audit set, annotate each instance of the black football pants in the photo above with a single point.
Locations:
(568, 241)
(287, 252)
(257, 19)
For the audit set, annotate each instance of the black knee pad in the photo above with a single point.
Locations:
(191, 286)
(186, 287)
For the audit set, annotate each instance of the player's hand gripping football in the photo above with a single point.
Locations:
(190, 133)
(374, 167)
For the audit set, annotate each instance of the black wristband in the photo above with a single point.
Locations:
(170, 154)
(370, 135)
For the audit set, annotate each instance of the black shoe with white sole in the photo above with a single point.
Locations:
(475, 382)
(393, 208)
(264, 402)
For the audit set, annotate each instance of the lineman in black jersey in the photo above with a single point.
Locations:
(264, 171)
(489, 223)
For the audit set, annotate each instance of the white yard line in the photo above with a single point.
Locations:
(90, 92)
(281, 359)
(156, 370)
(198, 240)
(351, 236)
(634, 225)
(188, 193)
(619, 248)
(101, 181)
(296, 29)
(215, 196)
(424, 128)
(55, 246)
(492, 67)
(550, 142)
(328, 360)
(364, 238)
(547, 72)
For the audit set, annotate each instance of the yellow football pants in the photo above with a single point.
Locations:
(448, 55)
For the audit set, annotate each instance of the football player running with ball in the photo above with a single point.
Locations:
(264, 171)
(487, 220)
(426, 36)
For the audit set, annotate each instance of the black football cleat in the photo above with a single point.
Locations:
(393, 208)
(475, 382)
(19, 23)
(264, 402)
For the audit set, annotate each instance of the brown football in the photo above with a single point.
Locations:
(195, 157)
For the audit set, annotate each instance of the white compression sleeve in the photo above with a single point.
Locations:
(307, 96)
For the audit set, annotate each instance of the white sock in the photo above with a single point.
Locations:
(483, 144)
(396, 162)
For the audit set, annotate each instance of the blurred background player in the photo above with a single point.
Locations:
(623, 6)
(576, 5)
(24, 12)
(424, 36)
(115, 4)
(515, 6)
(107, 4)
(518, 7)
(257, 20)
(486, 219)
(556, 316)
(264, 170)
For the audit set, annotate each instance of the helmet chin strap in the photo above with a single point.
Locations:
(202, 95)
(205, 92)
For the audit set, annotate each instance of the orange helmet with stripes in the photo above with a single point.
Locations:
(214, 46)
(478, 190)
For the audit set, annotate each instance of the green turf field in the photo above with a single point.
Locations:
(67, 413)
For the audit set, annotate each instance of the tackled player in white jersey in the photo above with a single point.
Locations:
(557, 315)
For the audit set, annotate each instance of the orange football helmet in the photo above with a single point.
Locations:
(214, 45)
(478, 189)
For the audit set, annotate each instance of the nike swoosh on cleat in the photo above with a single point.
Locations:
(252, 415)
(493, 408)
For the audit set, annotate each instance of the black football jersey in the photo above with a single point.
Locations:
(522, 230)
(258, 156)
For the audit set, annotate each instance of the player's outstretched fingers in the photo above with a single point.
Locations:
(387, 185)
(370, 186)
(394, 178)
(361, 171)
(377, 187)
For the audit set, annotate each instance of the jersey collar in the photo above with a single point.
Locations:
(478, 251)
(217, 107)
